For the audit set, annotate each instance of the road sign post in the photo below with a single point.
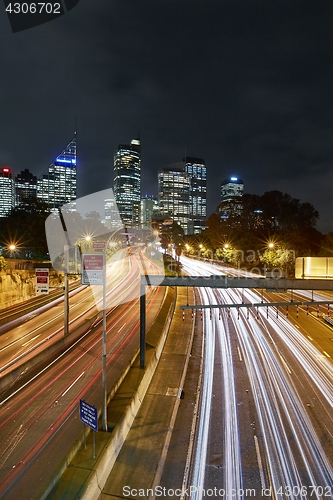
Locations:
(94, 273)
(42, 280)
(92, 269)
(89, 416)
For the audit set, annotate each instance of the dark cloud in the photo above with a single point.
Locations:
(245, 84)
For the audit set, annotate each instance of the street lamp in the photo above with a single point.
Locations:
(12, 249)
(66, 298)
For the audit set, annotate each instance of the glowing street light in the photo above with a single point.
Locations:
(12, 248)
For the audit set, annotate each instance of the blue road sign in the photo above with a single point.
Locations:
(88, 415)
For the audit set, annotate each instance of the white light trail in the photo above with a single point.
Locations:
(231, 445)
(205, 407)
(294, 455)
(68, 388)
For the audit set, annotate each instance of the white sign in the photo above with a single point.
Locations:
(42, 280)
(92, 269)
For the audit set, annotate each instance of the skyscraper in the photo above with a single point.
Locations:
(111, 217)
(231, 198)
(149, 206)
(7, 191)
(127, 181)
(196, 169)
(57, 186)
(173, 194)
(25, 186)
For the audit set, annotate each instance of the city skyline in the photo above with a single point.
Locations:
(185, 199)
(244, 85)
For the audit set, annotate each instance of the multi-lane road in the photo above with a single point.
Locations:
(39, 417)
(265, 425)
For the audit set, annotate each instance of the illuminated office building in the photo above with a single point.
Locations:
(196, 169)
(149, 207)
(231, 198)
(111, 216)
(25, 186)
(174, 193)
(7, 191)
(127, 181)
(57, 186)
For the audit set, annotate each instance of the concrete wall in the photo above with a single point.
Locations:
(17, 285)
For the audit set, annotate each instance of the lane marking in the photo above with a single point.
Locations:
(121, 327)
(72, 384)
(261, 470)
(239, 353)
(326, 353)
(285, 363)
(31, 340)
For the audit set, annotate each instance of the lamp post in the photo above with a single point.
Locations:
(104, 387)
(66, 298)
(104, 384)
(66, 254)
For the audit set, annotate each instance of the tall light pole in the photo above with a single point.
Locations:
(66, 298)
(66, 254)
(104, 387)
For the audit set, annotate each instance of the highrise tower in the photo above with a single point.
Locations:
(231, 205)
(196, 169)
(173, 194)
(7, 191)
(149, 206)
(25, 186)
(57, 186)
(127, 181)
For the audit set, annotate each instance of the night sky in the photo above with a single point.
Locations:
(245, 84)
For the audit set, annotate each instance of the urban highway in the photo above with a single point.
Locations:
(265, 419)
(39, 414)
